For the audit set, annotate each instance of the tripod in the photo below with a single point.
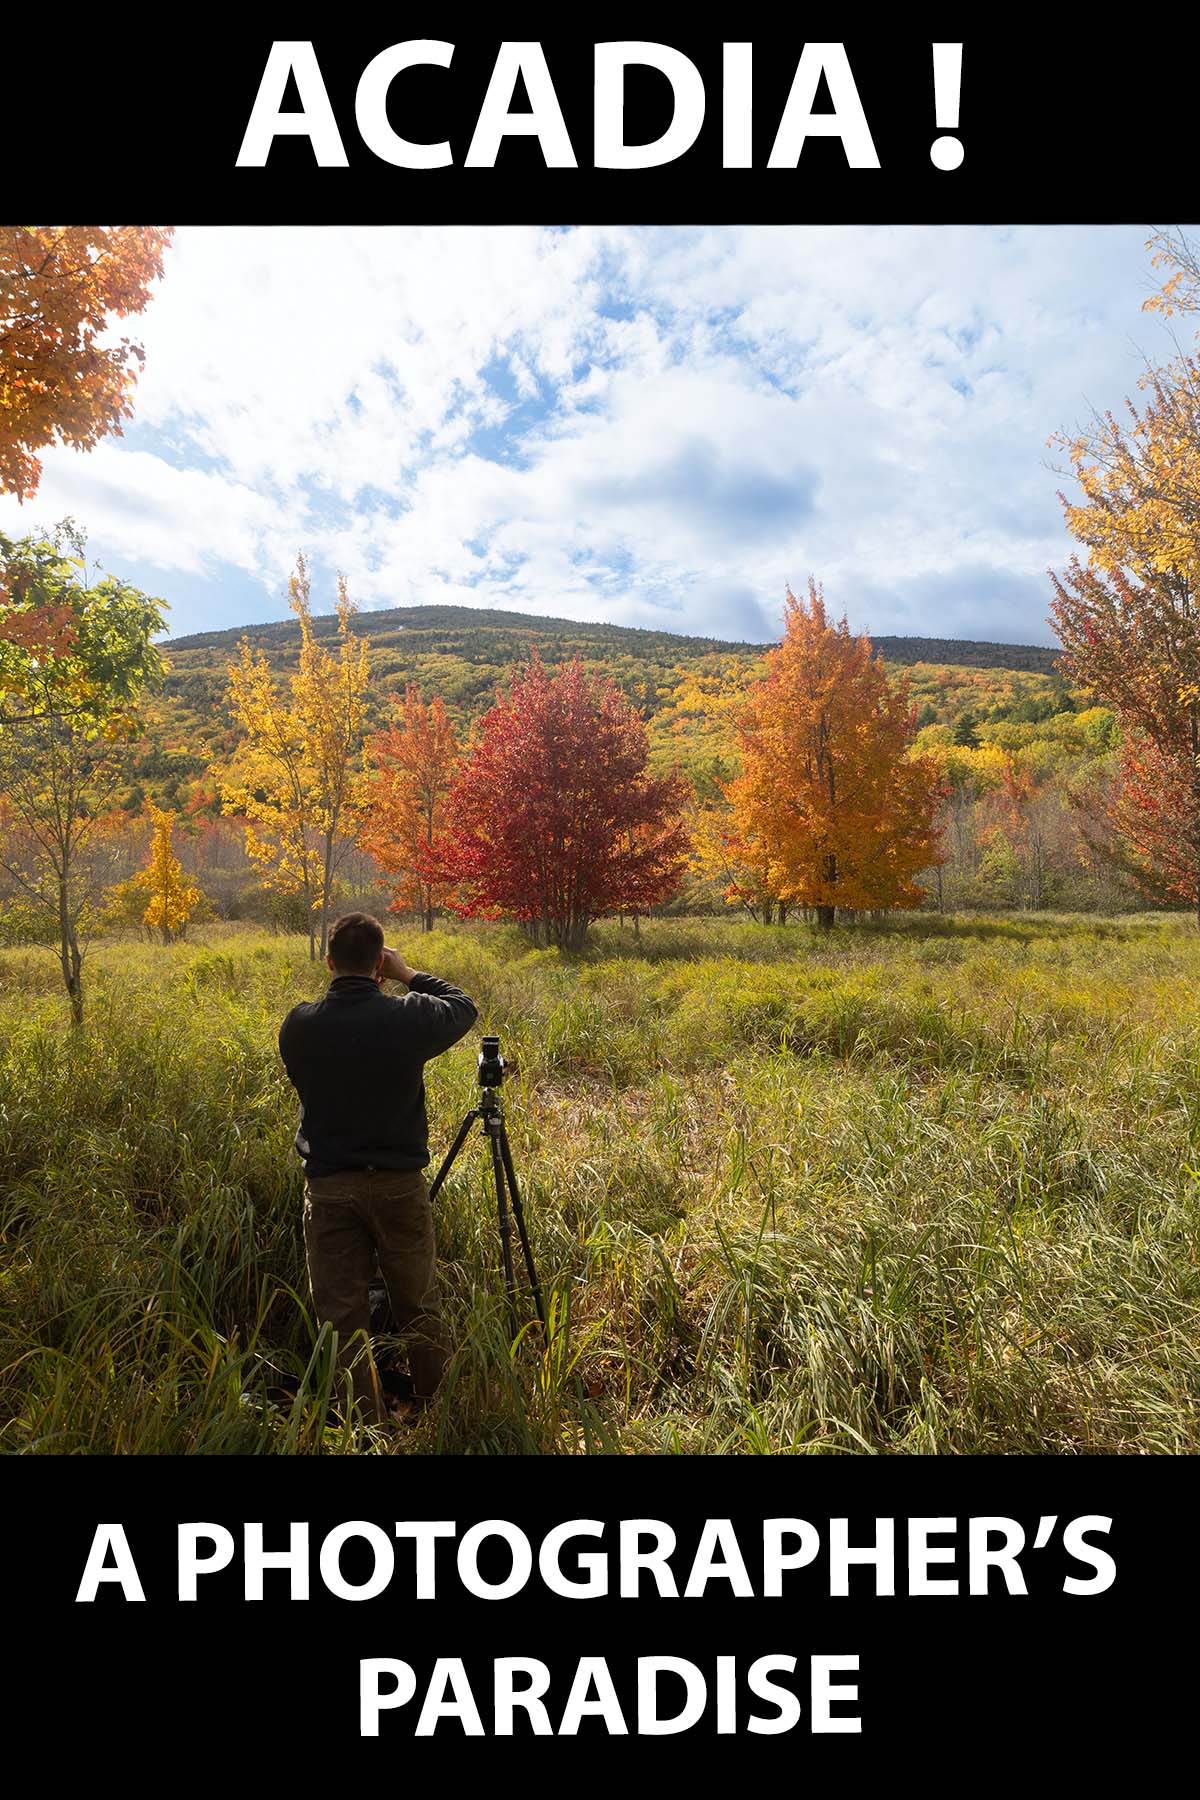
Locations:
(490, 1113)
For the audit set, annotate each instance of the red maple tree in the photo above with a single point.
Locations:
(1155, 808)
(1136, 644)
(554, 818)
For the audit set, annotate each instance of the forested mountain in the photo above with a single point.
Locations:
(507, 635)
(462, 653)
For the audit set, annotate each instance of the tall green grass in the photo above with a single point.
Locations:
(925, 1187)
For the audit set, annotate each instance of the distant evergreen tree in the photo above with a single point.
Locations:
(966, 735)
(1060, 693)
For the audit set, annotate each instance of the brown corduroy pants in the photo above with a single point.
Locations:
(348, 1219)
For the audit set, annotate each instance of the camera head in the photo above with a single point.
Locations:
(491, 1063)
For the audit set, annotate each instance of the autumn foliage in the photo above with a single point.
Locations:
(1155, 811)
(410, 766)
(554, 818)
(60, 289)
(1128, 619)
(172, 900)
(296, 777)
(829, 810)
(742, 864)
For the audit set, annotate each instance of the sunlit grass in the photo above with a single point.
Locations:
(924, 1187)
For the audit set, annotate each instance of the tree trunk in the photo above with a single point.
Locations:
(326, 884)
(571, 933)
(429, 886)
(1194, 727)
(69, 957)
(826, 914)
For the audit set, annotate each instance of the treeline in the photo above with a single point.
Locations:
(490, 634)
(820, 795)
(462, 655)
(810, 781)
(968, 653)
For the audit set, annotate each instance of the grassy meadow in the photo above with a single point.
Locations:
(925, 1187)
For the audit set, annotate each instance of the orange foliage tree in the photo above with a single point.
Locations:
(845, 817)
(60, 288)
(410, 768)
(719, 850)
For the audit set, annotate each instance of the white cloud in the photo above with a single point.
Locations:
(656, 426)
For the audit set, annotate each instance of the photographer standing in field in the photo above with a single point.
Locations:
(356, 1058)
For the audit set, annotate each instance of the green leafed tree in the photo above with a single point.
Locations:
(77, 656)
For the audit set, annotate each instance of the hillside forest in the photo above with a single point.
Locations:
(1020, 748)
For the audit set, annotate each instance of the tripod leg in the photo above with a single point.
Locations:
(510, 1284)
(453, 1151)
(519, 1216)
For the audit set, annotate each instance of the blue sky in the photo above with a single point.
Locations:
(655, 426)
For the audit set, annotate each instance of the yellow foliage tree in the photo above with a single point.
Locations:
(1141, 486)
(719, 850)
(296, 778)
(843, 814)
(172, 900)
(1180, 293)
(711, 703)
(980, 770)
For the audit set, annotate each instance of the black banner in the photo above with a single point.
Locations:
(631, 117)
(856, 1613)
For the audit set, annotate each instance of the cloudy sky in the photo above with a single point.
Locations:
(658, 427)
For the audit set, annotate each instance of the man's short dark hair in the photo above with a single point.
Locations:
(356, 944)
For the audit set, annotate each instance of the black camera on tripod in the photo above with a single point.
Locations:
(491, 1063)
(490, 1115)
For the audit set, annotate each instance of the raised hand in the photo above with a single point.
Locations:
(392, 966)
